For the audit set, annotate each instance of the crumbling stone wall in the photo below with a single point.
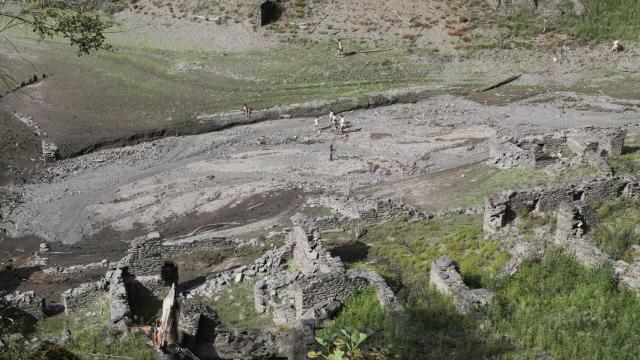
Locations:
(81, 296)
(29, 302)
(197, 323)
(178, 247)
(588, 144)
(509, 204)
(360, 209)
(309, 254)
(63, 272)
(144, 256)
(570, 234)
(119, 297)
(387, 298)
(445, 276)
(266, 342)
(322, 289)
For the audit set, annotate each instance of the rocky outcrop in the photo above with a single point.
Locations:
(445, 277)
(629, 274)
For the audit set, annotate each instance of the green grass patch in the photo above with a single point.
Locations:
(91, 338)
(605, 20)
(568, 310)
(527, 223)
(235, 306)
(362, 311)
(413, 245)
(489, 181)
(617, 229)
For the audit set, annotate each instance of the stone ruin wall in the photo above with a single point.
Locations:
(83, 295)
(445, 277)
(366, 210)
(323, 289)
(574, 208)
(29, 302)
(325, 281)
(588, 144)
(500, 210)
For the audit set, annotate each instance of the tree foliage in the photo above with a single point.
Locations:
(83, 27)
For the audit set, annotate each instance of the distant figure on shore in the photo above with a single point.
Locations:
(341, 126)
(616, 47)
(247, 110)
(332, 118)
(316, 126)
(340, 49)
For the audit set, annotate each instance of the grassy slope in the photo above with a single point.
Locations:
(569, 311)
(489, 181)
(138, 84)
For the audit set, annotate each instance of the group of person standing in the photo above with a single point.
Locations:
(337, 124)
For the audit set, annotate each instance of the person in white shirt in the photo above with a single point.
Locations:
(332, 118)
(616, 47)
(316, 126)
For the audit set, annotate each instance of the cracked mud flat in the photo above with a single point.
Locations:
(250, 178)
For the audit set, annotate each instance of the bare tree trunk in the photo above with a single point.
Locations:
(167, 331)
